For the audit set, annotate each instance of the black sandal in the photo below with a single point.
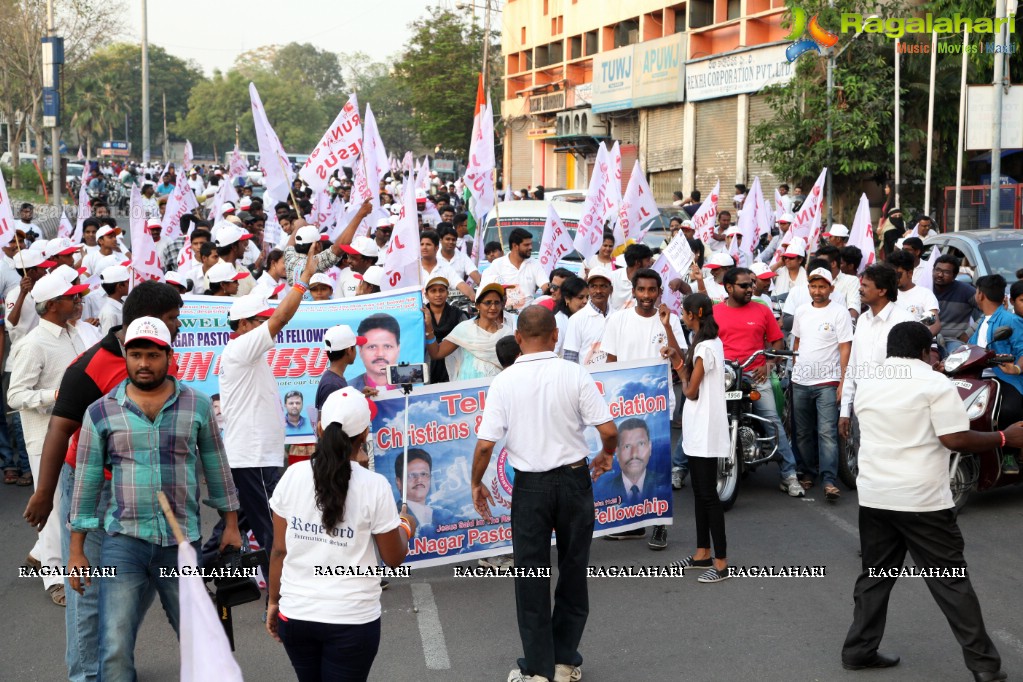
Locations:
(689, 562)
(714, 576)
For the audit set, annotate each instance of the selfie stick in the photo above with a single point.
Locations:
(407, 390)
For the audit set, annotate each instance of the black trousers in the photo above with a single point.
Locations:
(255, 488)
(934, 541)
(710, 517)
(561, 501)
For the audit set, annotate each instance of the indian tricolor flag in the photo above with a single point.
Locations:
(479, 174)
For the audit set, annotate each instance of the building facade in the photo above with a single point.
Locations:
(676, 84)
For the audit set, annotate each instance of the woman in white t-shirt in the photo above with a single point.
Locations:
(704, 431)
(602, 258)
(574, 297)
(333, 522)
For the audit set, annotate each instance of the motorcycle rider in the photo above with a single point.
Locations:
(990, 295)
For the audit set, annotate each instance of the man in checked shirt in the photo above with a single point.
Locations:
(154, 435)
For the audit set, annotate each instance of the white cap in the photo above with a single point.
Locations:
(175, 277)
(821, 273)
(154, 224)
(50, 286)
(245, 203)
(320, 278)
(340, 337)
(252, 305)
(106, 229)
(69, 273)
(350, 409)
(229, 234)
(307, 234)
(721, 259)
(687, 224)
(786, 218)
(114, 274)
(226, 207)
(38, 245)
(363, 246)
(23, 260)
(762, 271)
(598, 271)
(733, 231)
(796, 247)
(224, 272)
(61, 246)
(384, 222)
(837, 230)
(148, 329)
(374, 275)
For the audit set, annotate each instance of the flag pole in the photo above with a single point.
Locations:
(291, 191)
(171, 519)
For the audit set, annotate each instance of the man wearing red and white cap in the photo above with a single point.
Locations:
(837, 235)
(719, 263)
(62, 252)
(20, 310)
(231, 241)
(763, 277)
(363, 253)
(369, 281)
(37, 365)
(297, 249)
(224, 280)
(340, 342)
(155, 229)
(115, 283)
(791, 274)
(586, 327)
(783, 223)
(251, 401)
(106, 241)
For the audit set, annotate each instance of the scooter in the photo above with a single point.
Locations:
(754, 439)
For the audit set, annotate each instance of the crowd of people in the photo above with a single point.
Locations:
(91, 385)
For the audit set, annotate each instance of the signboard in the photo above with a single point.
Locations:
(612, 80)
(659, 71)
(738, 73)
(980, 104)
(540, 133)
(584, 94)
(116, 144)
(444, 165)
(548, 102)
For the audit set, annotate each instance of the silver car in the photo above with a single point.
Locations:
(982, 252)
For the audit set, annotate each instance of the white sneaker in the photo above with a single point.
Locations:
(503, 563)
(792, 486)
(678, 478)
(516, 675)
(567, 673)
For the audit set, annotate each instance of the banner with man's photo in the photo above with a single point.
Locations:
(442, 425)
(300, 359)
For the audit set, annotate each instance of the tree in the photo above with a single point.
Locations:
(439, 72)
(375, 84)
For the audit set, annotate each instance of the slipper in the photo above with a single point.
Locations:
(25, 479)
(714, 576)
(806, 483)
(56, 593)
(831, 493)
(10, 476)
(689, 562)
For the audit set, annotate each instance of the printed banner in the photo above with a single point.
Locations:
(300, 359)
(442, 426)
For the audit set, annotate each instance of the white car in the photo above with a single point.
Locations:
(532, 216)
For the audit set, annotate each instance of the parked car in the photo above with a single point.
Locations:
(575, 196)
(532, 216)
(983, 252)
(7, 159)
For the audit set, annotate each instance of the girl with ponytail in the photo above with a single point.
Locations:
(332, 518)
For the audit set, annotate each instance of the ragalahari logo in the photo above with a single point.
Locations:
(819, 37)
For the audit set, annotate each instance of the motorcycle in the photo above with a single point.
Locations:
(754, 439)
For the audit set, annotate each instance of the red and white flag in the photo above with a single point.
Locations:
(408, 163)
(707, 215)
(7, 215)
(479, 174)
(181, 201)
(861, 234)
(613, 191)
(65, 229)
(340, 145)
(590, 232)
(84, 213)
(401, 260)
(226, 192)
(145, 261)
(663, 266)
(373, 147)
(205, 651)
(751, 222)
(807, 222)
(423, 176)
(238, 167)
(638, 206)
(186, 161)
(273, 160)
(81, 156)
(556, 242)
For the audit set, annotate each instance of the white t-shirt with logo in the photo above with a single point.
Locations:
(819, 331)
(339, 599)
(584, 334)
(527, 279)
(918, 301)
(251, 402)
(704, 420)
(630, 336)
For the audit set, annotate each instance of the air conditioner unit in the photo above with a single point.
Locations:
(582, 122)
(563, 124)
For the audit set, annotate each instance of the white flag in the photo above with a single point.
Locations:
(590, 232)
(667, 271)
(84, 212)
(762, 213)
(226, 192)
(7, 215)
(65, 229)
(144, 258)
(807, 222)
(401, 260)
(238, 167)
(205, 651)
(272, 230)
(181, 201)
(423, 176)
(613, 192)
(186, 161)
(748, 227)
(861, 235)
(926, 279)
(479, 174)
(340, 145)
(373, 146)
(556, 242)
(679, 253)
(706, 216)
(638, 206)
(81, 156)
(277, 173)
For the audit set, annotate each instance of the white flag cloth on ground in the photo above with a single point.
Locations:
(861, 235)
(277, 173)
(238, 167)
(590, 232)
(807, 222)
(7, 227)
(637, 207)
(144, 258)
(340, 145)
(556, 242)
(613, 192)
(205, 652)
(84, 213)
(65, 229)
(401, 260)
(706, 217)
(181, 201)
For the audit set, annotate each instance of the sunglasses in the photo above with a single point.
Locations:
(747, 285)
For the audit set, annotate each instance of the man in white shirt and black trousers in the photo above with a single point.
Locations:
(542, 405)
(906, 502)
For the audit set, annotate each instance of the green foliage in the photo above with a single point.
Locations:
(375, 84)
(27, 177)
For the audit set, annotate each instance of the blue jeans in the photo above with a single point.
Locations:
(81, 618)
(560, 500)
(816, 417)
(951, 345)
(124, 600)
(679, 458)
(329, 651)
(766, 408)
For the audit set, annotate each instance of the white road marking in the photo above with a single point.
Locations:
(435, 649)
(838, 521)
(1009, 640)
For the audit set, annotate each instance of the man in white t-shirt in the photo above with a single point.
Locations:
(639, 333)
(906, 502)
(25, 224)
(586, 328)
(637, 257)
(20, 316)
(822, 332)
(519, 273)
(431, 266)
(918, 301)
(456, 260)
(251, 401)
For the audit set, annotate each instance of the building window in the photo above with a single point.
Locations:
(546, 7)
(592, 45)
(541, 57)
(575, 47)
(701, 13)
(626, 33)
(523, 41)
(675, 19)
(734, 9)
(556, 52)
